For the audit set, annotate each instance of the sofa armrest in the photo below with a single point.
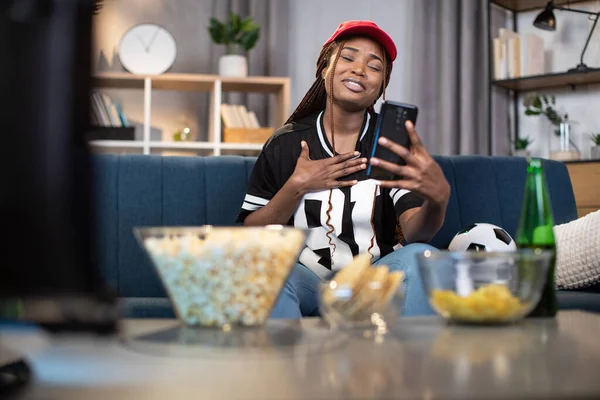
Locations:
(146, 307)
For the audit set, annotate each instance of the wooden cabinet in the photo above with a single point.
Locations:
(585, 177)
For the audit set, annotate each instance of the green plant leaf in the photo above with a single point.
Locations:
(236, 31)
(522, 143)
(233, 27)
(236, 24)
(554, 118)
(537, 102)
(532, 112)
(553, 100)
(248, 40)
(217, 31)
(248, 25)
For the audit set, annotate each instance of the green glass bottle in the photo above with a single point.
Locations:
(535, 232)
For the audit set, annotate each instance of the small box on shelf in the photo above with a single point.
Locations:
(110, 133)
(246, 135)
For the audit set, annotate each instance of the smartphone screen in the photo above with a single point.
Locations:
(391, 125)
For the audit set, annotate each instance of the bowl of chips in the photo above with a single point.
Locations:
(484, 287)
(362, 295)
(222, 276)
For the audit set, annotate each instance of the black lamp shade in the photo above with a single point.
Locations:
(546, 20)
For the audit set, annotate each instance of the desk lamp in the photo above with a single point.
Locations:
(547, 21)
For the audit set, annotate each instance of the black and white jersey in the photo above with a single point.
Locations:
(352, 207)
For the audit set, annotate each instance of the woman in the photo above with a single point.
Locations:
(311, 174)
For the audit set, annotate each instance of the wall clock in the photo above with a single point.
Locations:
(147, 49)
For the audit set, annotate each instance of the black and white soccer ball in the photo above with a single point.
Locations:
(482, 237)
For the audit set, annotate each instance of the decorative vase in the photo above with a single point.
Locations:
(522, 153)
(234, 65)
(595, 152)
(565, 152)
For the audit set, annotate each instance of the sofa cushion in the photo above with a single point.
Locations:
(137, 190)
(578, 252)
(578, 300)
(139, 200)
(225, 188)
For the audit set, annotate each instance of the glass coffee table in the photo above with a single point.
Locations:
(305, 359)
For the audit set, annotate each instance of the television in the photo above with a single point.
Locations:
(48, 276)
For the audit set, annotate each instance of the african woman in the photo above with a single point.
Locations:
(311, 174)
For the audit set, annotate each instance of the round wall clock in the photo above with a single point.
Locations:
(147, 49)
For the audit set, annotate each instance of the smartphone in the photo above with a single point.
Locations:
(391, 125)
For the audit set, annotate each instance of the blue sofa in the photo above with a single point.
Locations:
(141, 190)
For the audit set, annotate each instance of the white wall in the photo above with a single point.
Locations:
(563, 50)
(313, 22)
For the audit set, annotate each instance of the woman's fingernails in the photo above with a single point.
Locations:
(374, 161)
(383, 141)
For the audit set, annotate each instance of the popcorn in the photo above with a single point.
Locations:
(227, 275)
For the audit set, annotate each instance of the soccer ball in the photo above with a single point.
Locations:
(482, 237)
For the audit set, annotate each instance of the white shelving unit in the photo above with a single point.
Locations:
(215, 85)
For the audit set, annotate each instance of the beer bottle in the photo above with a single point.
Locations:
(535, 232)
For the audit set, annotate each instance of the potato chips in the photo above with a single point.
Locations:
(489, 303)
(360, 289)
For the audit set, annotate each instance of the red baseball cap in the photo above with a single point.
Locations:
(367, 28)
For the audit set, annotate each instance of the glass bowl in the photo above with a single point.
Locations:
(373, 299)
(484, 287)
(222, 276)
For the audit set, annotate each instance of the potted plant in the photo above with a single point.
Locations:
(542, 105)
(238, 36)
(595, 150)
(521, 145)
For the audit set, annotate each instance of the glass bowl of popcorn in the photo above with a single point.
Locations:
(222, 276)
(362, 296)
(484, 287)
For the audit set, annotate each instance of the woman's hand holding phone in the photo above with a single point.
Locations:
(421, 174)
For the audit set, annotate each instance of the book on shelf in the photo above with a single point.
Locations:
(106, 112)
(237, 116)
(242, 126)
(517, 55)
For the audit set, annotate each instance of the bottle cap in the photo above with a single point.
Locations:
(534, 164)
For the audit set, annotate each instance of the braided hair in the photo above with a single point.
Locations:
(315, 100)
